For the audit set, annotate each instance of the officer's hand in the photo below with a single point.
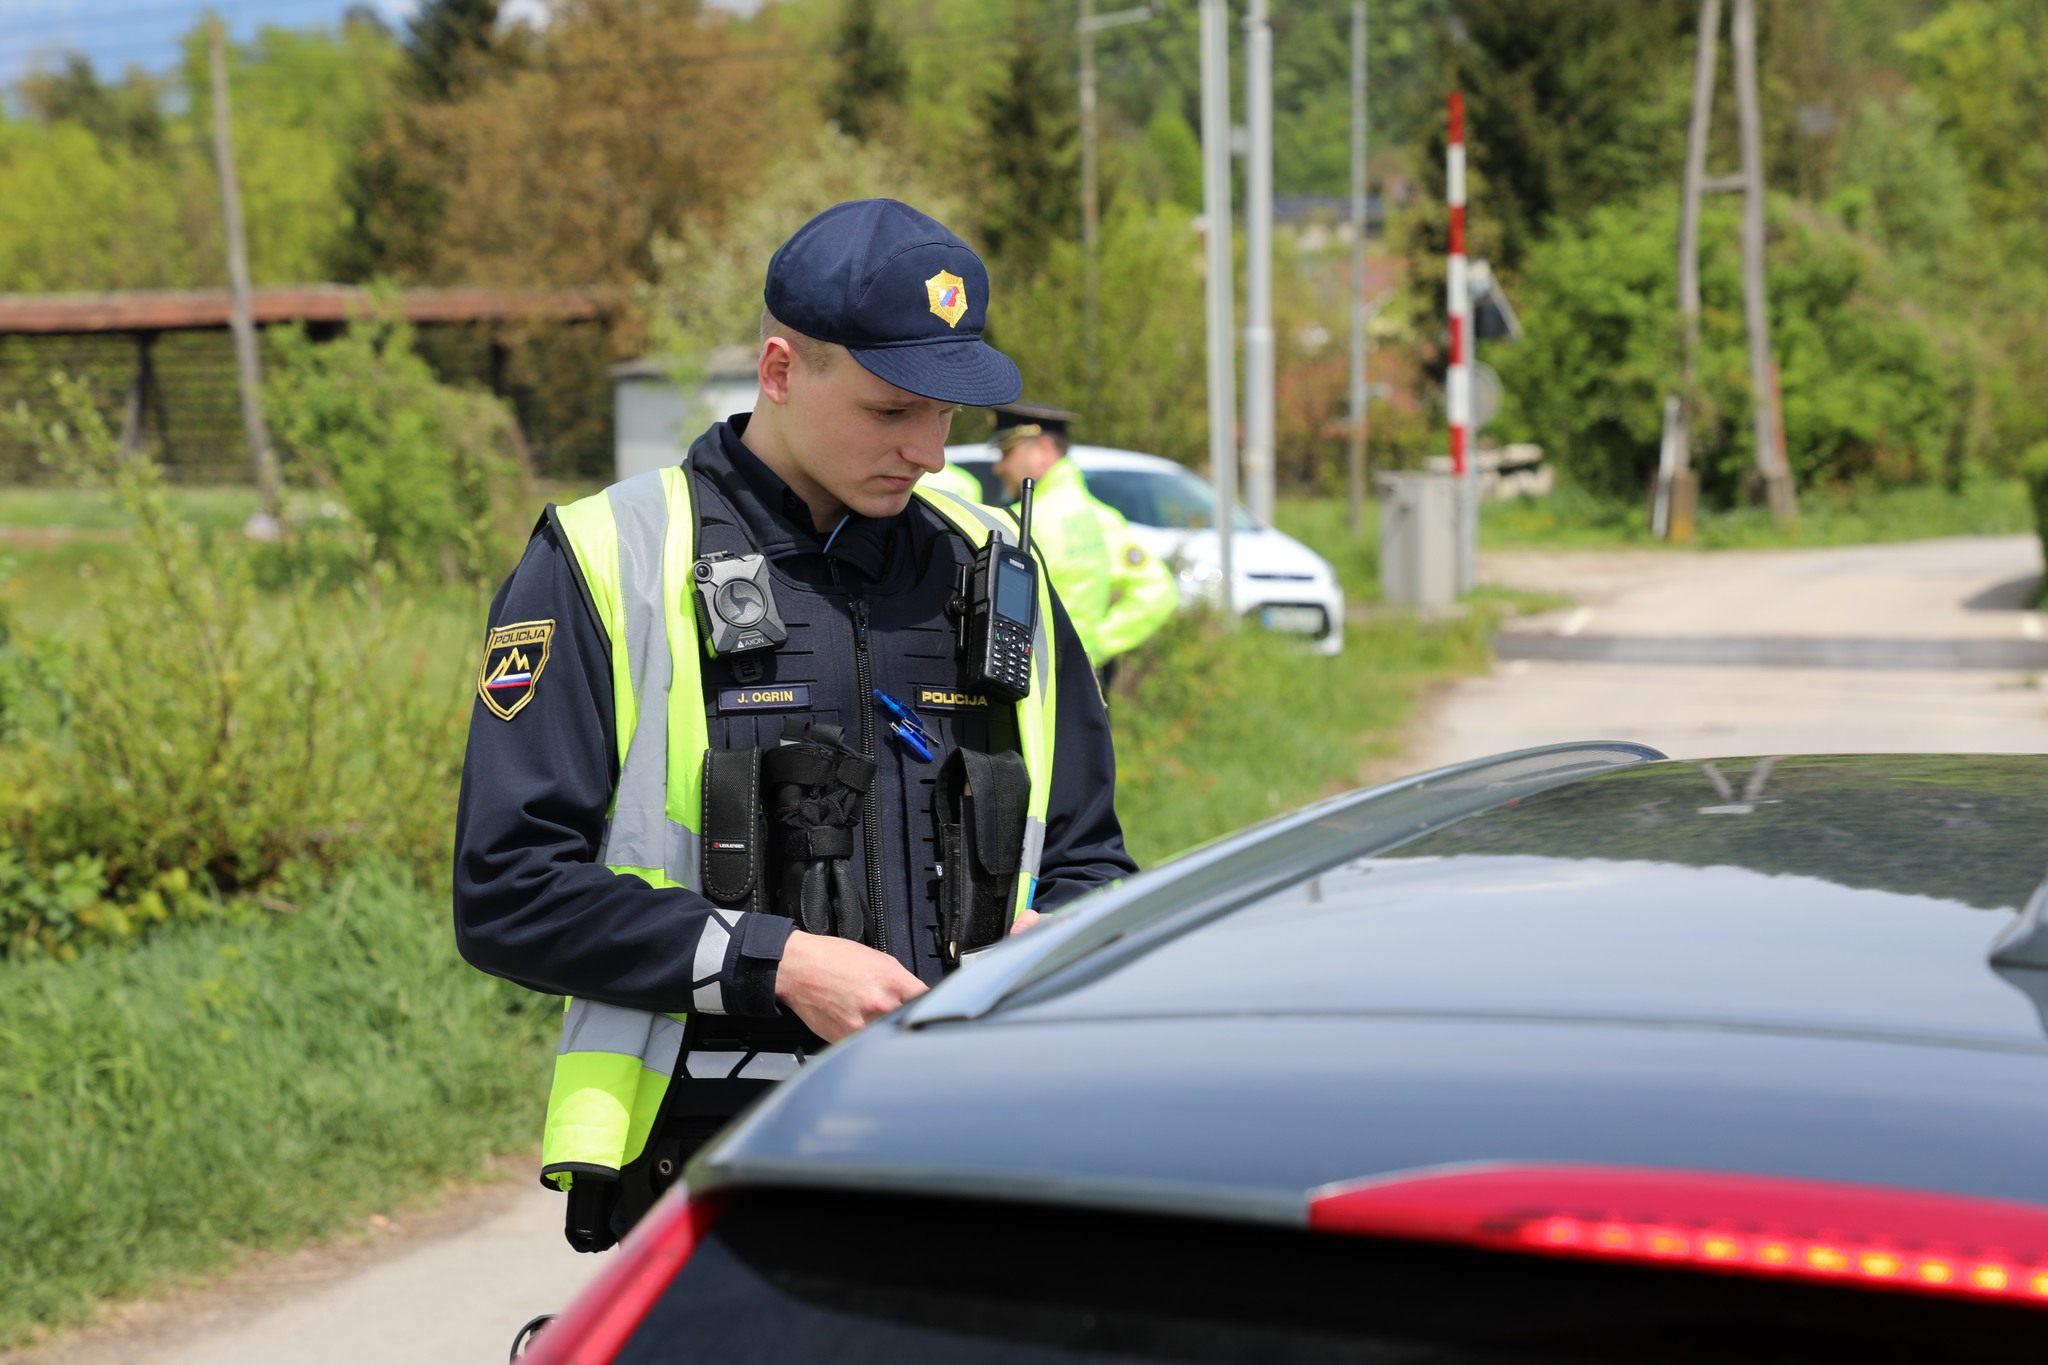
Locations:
(837, 986)
(1025, 919)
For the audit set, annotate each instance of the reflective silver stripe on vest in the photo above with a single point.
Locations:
(707, 969)
(1034, 845)
(980, 514)
(640, 833)
(655, 1039)
(743, 1066)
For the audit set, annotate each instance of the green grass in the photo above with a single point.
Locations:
(246, 1085)
(1324, 525)
(1573, 518)
(221, 508)
(1214, 732)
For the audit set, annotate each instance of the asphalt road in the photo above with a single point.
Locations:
(1924, 646)
(1866, 649)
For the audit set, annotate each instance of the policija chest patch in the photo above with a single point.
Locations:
(513, 659)
(951, 699)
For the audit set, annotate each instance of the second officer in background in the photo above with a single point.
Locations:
(1116, 591)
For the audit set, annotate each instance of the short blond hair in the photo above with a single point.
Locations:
(817, 356)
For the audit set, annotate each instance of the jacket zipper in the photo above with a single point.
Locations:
(870, 822)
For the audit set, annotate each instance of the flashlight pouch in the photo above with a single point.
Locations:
(735, 836)
(980, 802)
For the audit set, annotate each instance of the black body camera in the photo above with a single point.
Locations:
(1001, 616)
(736, 605)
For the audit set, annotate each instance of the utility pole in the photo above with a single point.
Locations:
(1220, 286)
(1091, 213)
(1674, 507)
(1763, 399)
(1091, 283)
(263, 524)
(1358, 395)
(1677, 501)
(1258, 231)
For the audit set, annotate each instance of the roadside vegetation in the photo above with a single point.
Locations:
(232, 1017)
(248, 1081)
(1573, 518)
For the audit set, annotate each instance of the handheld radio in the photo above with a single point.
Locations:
(1001, 615)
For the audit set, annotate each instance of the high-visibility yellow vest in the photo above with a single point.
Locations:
(635, 543)
(1115, 592)
(951, 479)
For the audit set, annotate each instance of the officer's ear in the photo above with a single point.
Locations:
(778, 359)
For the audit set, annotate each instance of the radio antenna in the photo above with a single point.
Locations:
(1024, 518)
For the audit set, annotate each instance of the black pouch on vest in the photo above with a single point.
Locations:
(735, 831)
(815, 788)
(980, 802)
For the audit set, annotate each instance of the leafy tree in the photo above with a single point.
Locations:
(1172, 146)
(77, 212)
(1984, 64)
(1151, 325)
(707, 287)
(1030, 154)
(129, 114)
(426, 469)
(449, 43)
(871, 74)
(563, 170)
(1872, 391)
(303, 101)
(1569, 106)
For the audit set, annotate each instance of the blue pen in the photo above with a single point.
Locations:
(907, 728)
(918, 744)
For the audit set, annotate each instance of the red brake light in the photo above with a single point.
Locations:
(605, 1314)
(1862, 1235)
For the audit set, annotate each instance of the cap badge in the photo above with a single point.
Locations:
(948, 294)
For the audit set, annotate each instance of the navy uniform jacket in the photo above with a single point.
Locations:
(533, 904)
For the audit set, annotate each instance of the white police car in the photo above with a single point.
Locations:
(1280, 583)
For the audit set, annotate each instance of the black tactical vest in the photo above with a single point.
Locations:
(848, 634)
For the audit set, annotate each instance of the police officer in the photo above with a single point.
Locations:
(1117, 592)
(608, 847)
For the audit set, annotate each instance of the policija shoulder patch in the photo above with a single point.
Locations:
(513, 659)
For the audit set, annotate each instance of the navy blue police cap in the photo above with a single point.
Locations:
(901, 292)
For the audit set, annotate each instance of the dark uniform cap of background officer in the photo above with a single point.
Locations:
(1018, 421)
(867, 275)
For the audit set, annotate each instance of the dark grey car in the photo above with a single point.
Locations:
(1571, 1054)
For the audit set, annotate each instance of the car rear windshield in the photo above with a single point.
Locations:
(855, 1278)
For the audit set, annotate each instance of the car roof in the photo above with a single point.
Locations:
(1583, 954)
(1652, 892)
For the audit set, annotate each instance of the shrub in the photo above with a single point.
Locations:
(1872, 390)
(208, 741)
(426, 469)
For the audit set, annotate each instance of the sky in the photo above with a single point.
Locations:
(117, 34)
